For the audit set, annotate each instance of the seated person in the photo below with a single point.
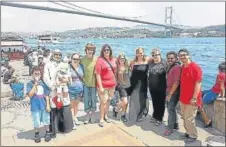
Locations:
(8, 75)
(211, 95)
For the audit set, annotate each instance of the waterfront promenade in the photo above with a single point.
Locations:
(17, 130)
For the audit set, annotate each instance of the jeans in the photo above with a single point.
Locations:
(171, 107)
(41, 117)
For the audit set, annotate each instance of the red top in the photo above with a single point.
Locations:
(217, 86)
(173, 76)
(106, 74)
(190, 74)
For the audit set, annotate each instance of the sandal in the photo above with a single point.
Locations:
(168, 132)
(107, 120)
(101, 124)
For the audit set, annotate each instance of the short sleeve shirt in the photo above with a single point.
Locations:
(217, 86)
(38, 101)
(190, 74)
(107, 75)
(89, 66)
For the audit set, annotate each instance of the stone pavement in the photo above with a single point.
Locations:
(17, 130)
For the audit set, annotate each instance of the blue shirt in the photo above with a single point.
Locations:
(38, 101)
(77, 84)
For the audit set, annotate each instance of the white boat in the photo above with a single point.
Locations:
(48, 39)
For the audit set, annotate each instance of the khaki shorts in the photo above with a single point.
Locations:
(106, 95)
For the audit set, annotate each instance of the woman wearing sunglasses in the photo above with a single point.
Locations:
(157, 86)
(105, 74)
(122, 76)
(76, 87)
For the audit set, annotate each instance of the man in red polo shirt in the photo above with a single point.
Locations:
(190, 94)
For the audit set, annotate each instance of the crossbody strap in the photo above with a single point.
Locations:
(80, 78)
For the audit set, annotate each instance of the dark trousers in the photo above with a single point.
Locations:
(61, 120)
(158, 102)
(171, 106)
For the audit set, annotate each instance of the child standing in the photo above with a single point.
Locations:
(40, 107)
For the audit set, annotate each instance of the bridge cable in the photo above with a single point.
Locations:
(65, 6)
(96, 11)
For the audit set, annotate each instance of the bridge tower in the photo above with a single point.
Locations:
(168, 21)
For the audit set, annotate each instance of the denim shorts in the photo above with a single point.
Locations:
(208, 96)
(75, 94)
(40, 118)
(90, 99)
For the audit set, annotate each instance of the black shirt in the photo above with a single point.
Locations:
(157, 76)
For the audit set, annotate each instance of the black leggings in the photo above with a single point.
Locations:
(158, 102)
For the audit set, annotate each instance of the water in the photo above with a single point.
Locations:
(207, 52)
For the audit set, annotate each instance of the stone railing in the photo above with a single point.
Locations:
(216, 112)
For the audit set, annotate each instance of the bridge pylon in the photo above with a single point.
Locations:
(168, 21)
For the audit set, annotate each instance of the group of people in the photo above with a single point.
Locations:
(59, 85)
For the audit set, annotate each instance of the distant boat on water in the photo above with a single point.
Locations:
(48, 39)
(13, 47)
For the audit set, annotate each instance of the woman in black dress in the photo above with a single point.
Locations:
(138, 106)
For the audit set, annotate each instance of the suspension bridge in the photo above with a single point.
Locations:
(169, 27)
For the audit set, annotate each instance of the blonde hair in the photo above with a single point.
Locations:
(140, 49)
(120, 56)
(122, 77)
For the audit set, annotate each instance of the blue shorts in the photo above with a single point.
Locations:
(90, 99)
(40, 118)
(75, 93)
(208, 96)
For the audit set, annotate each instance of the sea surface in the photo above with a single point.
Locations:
(207, 52)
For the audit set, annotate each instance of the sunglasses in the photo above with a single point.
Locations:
(75, 59)
(170, 58)
(107, 49)
(154, 55)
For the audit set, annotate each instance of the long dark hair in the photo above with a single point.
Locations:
(102, 51)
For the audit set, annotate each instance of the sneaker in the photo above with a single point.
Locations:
(190, 140)
(153, 120)
(37, 137)
(87, 120)
(168, 132)
(123, 118)
(47, 136)
(157, 123)
(92, 120)
(184, 136)
(176, 126)
(76, 121)
(74, 125)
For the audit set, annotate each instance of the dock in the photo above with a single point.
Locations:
(17, 128)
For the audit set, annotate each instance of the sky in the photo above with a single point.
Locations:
(185, 13)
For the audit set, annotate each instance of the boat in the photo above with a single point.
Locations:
(13, 47)
(48, 39)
